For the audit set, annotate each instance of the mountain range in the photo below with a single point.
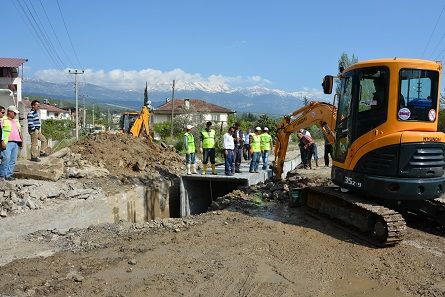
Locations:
(241, 100)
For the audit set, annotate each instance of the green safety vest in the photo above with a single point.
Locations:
(256, 143)
(190, 143)
(265, 141)
(7, 127)
(208, 139)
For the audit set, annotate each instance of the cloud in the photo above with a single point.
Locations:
(118, 79)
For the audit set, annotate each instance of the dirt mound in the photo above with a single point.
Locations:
(124, 155)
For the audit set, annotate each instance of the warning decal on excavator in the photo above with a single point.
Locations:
(432, 115)
(404, 114)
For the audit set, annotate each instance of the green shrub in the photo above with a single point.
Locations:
(58, 129)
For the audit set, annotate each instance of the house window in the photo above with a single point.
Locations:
(215, 117)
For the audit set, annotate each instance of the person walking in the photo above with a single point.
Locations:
(229, 146)
(255, 150)
(208, 148)
(266, 146)
(34, 127)
(246, 146)
(11, 140)
(238, 150)
(190, 155)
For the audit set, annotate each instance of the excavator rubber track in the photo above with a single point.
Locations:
(375, 223)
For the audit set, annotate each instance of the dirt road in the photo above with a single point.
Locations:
(245, 250)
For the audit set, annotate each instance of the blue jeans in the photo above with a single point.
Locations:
(9, 157)
(190, 158)
(228, 162)
(265, 155)
(255, 161)
(208, 153)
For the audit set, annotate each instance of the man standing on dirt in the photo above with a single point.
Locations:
(208, 148)
(229, 146)
(11, 140)
(34, 126)
(266, 146)
(238, 150)
(190, 155)
(255, 150)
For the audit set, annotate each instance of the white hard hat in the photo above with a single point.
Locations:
(258, 128)
(266, 129)
(189, 127)
(13, 109)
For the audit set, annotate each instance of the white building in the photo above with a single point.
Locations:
(10, 81)
(196, 109)
(48, 111)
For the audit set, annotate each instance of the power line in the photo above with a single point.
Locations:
(30, 24)
(43, 31)
(68, 34)
(55, 34)
(435, 26)
(437, 45)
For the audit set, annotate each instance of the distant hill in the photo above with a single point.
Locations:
(254, 100)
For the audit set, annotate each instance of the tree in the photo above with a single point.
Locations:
(146, 95)
(266, 121)
(305, 101)
(344, 61)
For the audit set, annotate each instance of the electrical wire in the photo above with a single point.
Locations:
(55, 34)
(68, 34)
(434, 29)
(27, 20)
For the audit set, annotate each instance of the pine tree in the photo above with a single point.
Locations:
(146, 94)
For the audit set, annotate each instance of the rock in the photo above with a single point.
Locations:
(140, 165)
(78, 278)
(267, 195)
(87, 171)
(30, 203)
(3, 213)
(48, 169)
(62, 153)
(177, 230)
(121, 163)
(132, 262)
(79, 193)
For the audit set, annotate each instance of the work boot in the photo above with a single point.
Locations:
(35, 159)
(214, 169)
(316, 162)
(194, 169)
(188, 170)
(44, 154)
(204, 169)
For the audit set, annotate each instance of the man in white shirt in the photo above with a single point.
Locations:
(229, 145)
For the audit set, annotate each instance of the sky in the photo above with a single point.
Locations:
(283, 44)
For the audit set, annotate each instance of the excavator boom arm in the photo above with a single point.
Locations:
(316, 113)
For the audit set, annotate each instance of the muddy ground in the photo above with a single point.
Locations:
(251, 248)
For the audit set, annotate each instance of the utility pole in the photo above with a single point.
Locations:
(84, 113)
(76, 72)
(93, 116)
(173, 104)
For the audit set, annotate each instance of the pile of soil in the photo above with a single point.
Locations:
(124, 155)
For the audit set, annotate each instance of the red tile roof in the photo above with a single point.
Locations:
(12, 62)
(48, 107)
(196, 105)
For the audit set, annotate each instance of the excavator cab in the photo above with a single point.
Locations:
(387, 144)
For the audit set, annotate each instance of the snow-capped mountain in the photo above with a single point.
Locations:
(253, 99)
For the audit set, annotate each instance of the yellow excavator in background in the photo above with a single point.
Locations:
(137, 123)
(388, 156)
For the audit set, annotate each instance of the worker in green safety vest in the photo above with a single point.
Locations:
(190, 150)
(266, 146)
(208, 148)
(255, 150)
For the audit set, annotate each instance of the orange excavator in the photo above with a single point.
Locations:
(388, 155)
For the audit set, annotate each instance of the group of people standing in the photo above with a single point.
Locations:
(236, 145)
(12, 139)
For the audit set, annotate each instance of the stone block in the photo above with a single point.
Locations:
(48, 169)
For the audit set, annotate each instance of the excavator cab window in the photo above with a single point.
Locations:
(343, 125)
(418, 95)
